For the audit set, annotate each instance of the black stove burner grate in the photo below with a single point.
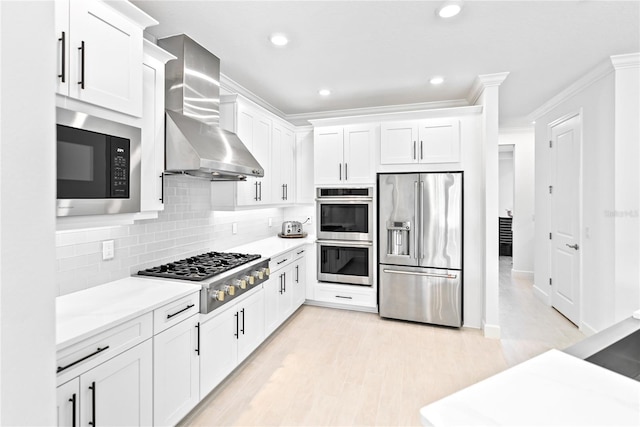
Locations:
(199, 267)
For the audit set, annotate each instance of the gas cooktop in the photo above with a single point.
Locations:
(200, 267)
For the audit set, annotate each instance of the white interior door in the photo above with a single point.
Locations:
(565, 196)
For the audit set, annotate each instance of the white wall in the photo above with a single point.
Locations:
(27, 200)
(523, 227)
(596, 101)
(505, 183)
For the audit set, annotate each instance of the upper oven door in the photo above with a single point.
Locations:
(345, 217)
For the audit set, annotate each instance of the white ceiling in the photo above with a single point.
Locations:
(380, 53)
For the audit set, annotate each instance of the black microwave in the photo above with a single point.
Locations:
(97, 165)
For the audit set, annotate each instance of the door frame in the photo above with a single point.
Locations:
(550, 218)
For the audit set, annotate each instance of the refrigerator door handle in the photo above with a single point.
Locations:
(416, 231)
(421, 205)
(413, 273)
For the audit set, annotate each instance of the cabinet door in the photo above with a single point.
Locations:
(288, 166)
(272, 292)
(282, 165)
(399, 143)
(285, 305)
(262, 153)
(439, 141)
(359, 167)
(61, 8)
(110, 65)
(304, 167)
(218, 349)
(299, 282)
(251, 312)
(328, 156)
(119, 392)
(176, 372)
(152, 159)
(68, 406)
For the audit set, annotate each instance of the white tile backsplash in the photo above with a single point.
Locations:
(186, 227)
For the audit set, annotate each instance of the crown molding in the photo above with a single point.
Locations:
(482, 82)
(601, 71)
(630, 60)
(232, 86)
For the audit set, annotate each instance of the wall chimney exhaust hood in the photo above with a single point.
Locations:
(194, 142)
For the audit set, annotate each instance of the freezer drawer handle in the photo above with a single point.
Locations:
(340, 296)
(412, 273)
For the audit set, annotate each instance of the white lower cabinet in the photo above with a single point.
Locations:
(228, 338)
(285, 290)
(117, 392)
(176, 372)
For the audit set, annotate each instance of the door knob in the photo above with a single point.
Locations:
(576, 247)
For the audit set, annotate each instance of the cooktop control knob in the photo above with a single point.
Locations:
(217, 295)
(250, 279)
(266, 271)
(258, 274)
(240, 283)
(230, 290)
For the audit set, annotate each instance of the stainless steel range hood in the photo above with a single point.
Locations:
(195, 144)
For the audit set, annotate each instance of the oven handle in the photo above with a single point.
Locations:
(344, 199)
(345, 243)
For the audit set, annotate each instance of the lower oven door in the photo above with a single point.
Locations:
(345, 262)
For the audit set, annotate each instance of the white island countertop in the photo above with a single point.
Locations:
(82, 314)
(553, 388)
(273, 246)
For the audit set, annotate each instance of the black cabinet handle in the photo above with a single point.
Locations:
(346, 172)
(280, 262)
(242, 321)
(73, 408)
(169, 316)
(99, 350)
(162, 187)
(340, 171)
(198, 339)
(82, 51)
(340, 296)
(63, 69)
(237, 327)
(301, 252)
(93, 404)
(297, 274)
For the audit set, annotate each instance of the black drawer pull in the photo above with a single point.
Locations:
(301, 252)
(99, 350)
(280, 262)
(169, 316)
(340, 296)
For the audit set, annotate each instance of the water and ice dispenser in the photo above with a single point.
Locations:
(398, 238)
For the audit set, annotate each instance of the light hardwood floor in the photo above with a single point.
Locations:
(337, 367)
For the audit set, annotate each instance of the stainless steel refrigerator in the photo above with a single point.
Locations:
(420, 247)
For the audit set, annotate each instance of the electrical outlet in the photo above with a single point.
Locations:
(108, 251)
(234, 228)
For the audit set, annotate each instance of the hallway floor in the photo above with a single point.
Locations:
(335, 367)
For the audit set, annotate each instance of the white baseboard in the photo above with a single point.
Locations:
(587, 330)
(522, 274)
(341, 306)
(491, 331)
(541, 295)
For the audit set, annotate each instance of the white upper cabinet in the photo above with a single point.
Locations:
(420, 141)
(100, 53)
(282, 165)
(344, 154)
(152, 162)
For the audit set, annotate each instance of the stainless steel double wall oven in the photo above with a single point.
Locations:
(345, 235)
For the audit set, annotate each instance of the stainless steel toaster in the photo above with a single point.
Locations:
(290, 228)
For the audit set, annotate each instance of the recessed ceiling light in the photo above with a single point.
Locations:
(279, 39)
(436, 80)
(449, 9)
(324, 92)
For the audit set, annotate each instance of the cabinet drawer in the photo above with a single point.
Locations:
(175, 312)
(299, 252)
(281, 261)
(78, 358)
(345, 296)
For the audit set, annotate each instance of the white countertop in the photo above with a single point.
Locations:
(273, 246)
(85, 313)
(551, 389)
